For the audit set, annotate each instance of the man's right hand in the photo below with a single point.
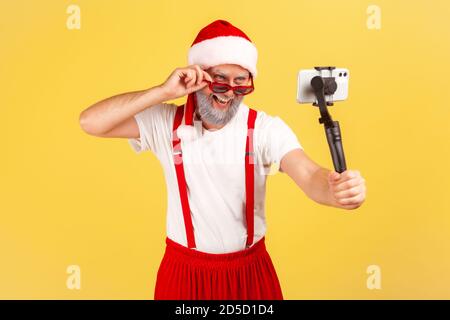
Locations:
(183, 81)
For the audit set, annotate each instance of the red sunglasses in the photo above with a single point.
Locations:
(218, 87)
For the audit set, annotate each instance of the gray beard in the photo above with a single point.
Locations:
(207, 112)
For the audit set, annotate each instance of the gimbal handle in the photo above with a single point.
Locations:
(335, 143)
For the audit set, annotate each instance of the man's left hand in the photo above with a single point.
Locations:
(347, 188)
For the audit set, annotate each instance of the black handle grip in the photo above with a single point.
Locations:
(335, 143)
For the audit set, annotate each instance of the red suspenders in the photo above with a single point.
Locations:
(249, 178)
(178, 160)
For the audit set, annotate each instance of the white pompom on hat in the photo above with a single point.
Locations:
(186, 131)
(218, 43)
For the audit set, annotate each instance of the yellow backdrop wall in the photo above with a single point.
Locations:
(68, 198)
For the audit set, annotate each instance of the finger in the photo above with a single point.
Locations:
(196, 87)
(186, 75)
(187, 81)
(205, 73)
(350, 206)
(200, 86)
(345, 185)
(199, 74)
(347, 175)
(348, 193)
(207, 76)
(192, 78)
(341, 186)
(333, 176)
(351, 201)
(351, 173)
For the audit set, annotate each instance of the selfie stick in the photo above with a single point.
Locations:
(327, 86)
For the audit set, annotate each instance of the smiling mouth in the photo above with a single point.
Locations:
(221, 102)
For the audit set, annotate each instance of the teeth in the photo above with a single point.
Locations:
(221, 100)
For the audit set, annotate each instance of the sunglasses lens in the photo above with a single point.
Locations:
(218, 88)
(243, 90)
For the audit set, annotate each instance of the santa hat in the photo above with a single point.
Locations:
(218, 43)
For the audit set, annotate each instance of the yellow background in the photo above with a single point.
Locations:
(68, 198)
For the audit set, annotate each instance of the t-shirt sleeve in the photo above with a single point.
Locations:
(277, 139)
(155, 128)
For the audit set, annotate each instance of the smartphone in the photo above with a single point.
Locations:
(305, 93)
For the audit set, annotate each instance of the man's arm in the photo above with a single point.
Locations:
(113, 117)
(345, 190)
(308, 175)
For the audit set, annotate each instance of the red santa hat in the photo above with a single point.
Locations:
(218, 43)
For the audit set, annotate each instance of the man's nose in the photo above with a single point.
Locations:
(229, 93)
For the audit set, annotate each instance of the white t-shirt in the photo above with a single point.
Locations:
(214, 166)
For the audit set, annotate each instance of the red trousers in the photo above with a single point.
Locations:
(187, 274)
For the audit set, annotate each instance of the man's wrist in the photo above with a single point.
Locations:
(162, 92)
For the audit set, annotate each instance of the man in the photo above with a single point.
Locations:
(216, 153)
